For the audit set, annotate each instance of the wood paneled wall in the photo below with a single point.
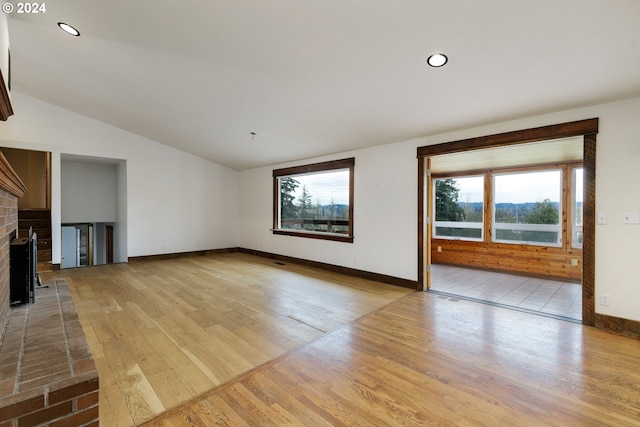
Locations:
(533, 260)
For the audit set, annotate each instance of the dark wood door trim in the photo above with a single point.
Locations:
(589, 231)
(564, 130)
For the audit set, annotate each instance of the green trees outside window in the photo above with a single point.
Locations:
(459, 207)
(527, 206)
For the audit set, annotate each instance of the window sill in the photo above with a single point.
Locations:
(462, 239)
(316, 235)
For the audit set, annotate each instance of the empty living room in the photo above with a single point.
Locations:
(361, 213)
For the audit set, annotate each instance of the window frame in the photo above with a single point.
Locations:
(574, 228)
(558, 228)
(436, 223)
(348, 163)
(566, 202)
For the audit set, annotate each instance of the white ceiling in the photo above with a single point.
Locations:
(324, 76)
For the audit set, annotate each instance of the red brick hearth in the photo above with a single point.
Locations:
(47, 374)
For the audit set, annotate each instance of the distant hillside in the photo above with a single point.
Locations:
(530, 212)
(340, 211)
(476, 206)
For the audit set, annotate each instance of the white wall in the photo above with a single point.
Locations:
(89, 192)
(386, 205)
(175, 202)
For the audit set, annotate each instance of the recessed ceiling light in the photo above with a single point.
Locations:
(437, 59)
(68, 29)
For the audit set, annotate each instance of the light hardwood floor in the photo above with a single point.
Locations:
(426, 360)
(162, 329)
(164, 332)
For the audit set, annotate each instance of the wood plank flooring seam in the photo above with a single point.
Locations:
(257, 369)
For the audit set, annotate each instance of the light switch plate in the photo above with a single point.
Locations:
(602, 218)
(630, 217)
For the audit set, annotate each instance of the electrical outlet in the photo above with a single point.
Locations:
(604, 299)
(574, 262)
(439, 248)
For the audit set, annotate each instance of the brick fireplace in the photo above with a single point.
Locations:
(47, 373)
(11, 188)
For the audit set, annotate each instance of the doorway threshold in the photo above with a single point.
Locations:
(453, 297)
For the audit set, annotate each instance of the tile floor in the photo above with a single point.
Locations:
(549, 297)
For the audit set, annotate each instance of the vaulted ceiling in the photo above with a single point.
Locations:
(316, 77)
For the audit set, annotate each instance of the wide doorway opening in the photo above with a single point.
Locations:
(506, 226)
(93, 211)
(508, 220)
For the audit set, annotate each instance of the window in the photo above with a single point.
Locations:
(533, 205)
(576, 214)
(527, 208)
(315, 200)
(459, 208)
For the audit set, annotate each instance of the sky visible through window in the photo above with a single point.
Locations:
(579, 185)
(528, 187)
(538, 186)
(324, 187)
(471, 189)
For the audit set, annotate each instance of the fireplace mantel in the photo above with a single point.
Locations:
(9, 179)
